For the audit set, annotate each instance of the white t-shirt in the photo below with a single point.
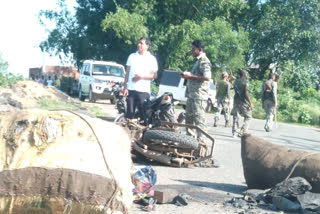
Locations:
(49, 82)
(141, 65)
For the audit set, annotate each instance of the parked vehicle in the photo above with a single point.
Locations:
(97, 78)
(171, 81)
(120, 100)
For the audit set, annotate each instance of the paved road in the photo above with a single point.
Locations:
(293, 136)
(215, 184)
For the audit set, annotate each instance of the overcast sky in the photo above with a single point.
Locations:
(21, 34)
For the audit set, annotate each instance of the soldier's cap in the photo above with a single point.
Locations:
(224, 74)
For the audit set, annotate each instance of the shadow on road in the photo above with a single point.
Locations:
(294, 144)
(202, 194)
(304, 139)
(107, 118)
(231, 188)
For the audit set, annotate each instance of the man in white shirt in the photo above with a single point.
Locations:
(49, 81)
(141, 68)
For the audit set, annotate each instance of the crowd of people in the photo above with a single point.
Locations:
(142, 67)
(48, 81)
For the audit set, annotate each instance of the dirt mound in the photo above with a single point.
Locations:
(25, 94)
(58, 160)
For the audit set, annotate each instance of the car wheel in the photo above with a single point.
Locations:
(81, 96)
(112, 101)
(91, 96)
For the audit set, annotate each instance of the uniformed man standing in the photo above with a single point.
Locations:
(223, 99)
(269, 100)
(242, 103)
(198, 87)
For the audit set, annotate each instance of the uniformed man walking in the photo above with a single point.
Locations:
(242, 104)
(269, 100)
(223, 99)
(198, 87)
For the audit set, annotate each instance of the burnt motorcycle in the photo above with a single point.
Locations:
(164, 140)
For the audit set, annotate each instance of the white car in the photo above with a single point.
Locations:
(171, 81)
(97, 78)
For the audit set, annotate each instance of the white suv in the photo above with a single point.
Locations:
(97, 78)
(171, 81)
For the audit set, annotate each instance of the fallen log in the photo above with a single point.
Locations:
(266, 164)
(62, 162)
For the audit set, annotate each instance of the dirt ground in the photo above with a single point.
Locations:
(25, 94)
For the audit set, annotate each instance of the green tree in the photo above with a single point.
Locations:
(281, 31)
(80, 35)
(109, 30)
(301, 76)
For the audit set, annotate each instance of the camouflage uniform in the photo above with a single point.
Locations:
(269, 98)
(241, 106)
(197, 93)
(223, 100)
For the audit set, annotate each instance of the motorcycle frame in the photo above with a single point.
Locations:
(136, 131)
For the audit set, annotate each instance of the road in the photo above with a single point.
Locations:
(214, 185)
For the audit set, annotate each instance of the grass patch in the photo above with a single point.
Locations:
(96, 110)
(257, 111)
(50, 104)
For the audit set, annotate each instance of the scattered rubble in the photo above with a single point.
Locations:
(292, 195)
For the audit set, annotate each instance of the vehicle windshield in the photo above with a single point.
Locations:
(107, 70)
(170, 78)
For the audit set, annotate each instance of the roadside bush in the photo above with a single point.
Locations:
(255, 89)
(288, 108)
(258, 112)
(9, 78)
(310, 113)
(310, 94)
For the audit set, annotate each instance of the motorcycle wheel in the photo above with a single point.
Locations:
(170, 137)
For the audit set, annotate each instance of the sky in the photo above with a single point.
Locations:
(21, 34)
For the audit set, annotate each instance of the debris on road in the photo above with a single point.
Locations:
(292, 195)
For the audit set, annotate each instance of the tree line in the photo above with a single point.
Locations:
(250, 34)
